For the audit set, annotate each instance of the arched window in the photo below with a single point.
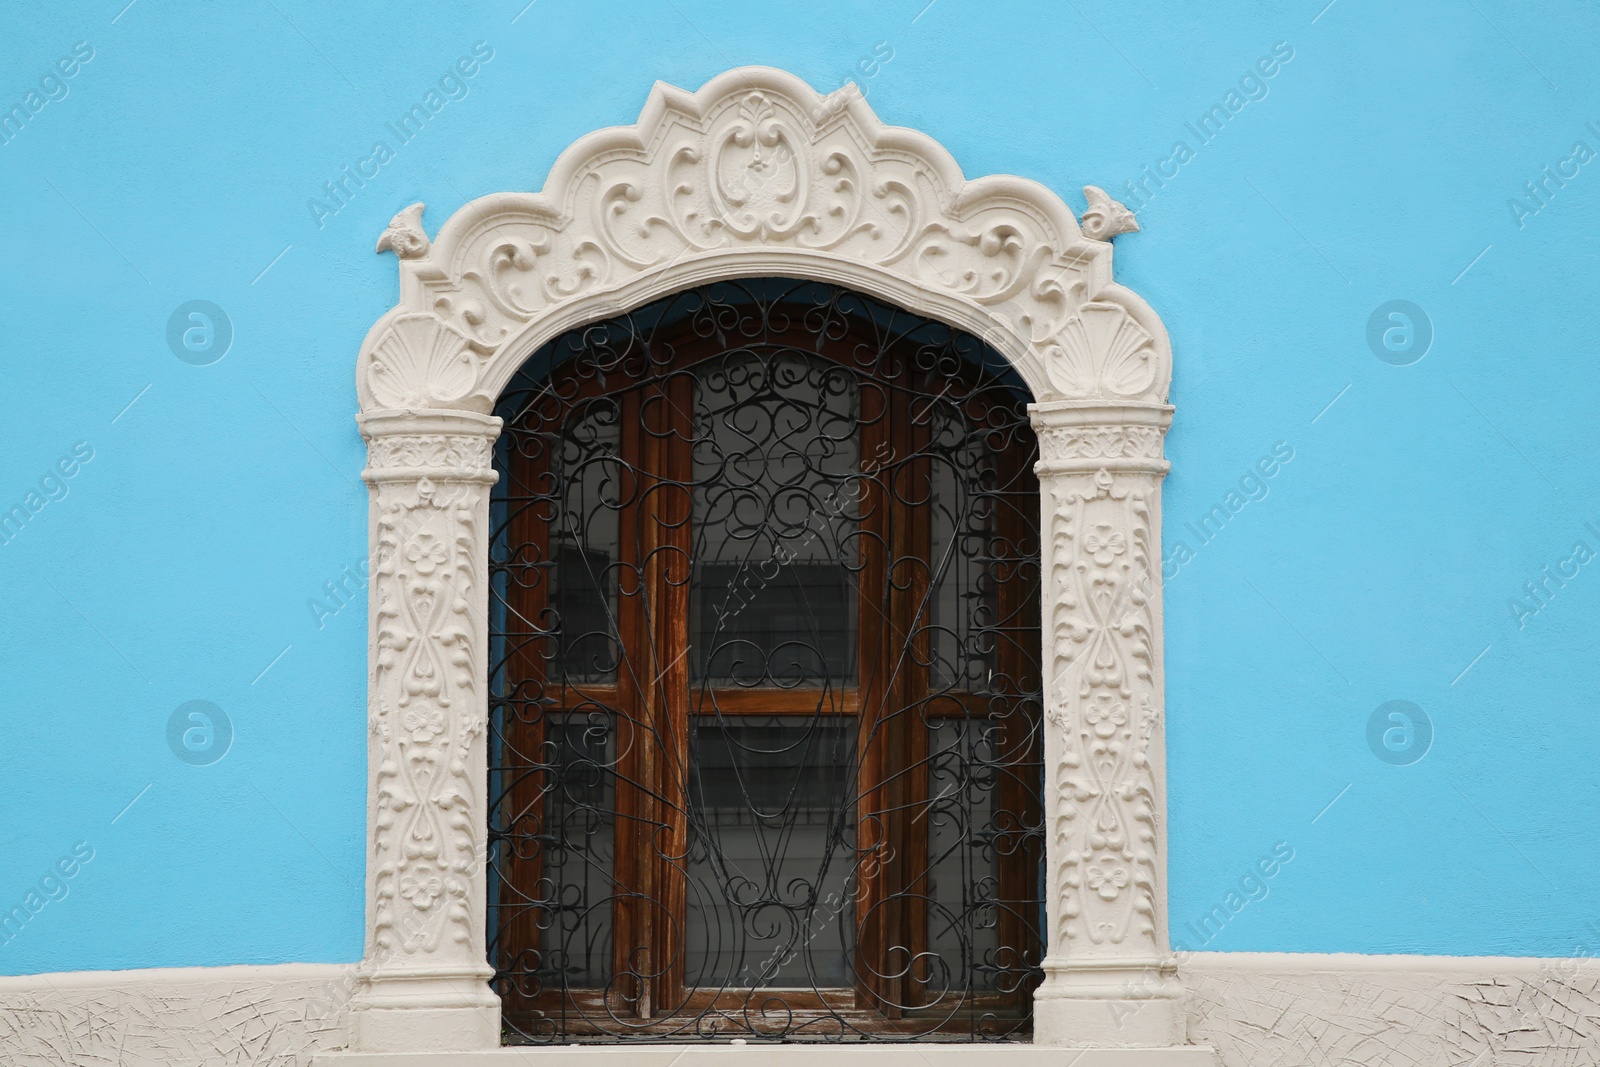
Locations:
(765, 710)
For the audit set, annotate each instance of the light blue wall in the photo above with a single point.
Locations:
(1380, 564)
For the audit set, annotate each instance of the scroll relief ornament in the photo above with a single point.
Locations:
(1100, 442)
(425, 717)
(1103, 703)
(753, 172)
(448, 452)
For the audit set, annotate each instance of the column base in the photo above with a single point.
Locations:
(433, 1014)
(444, 1030)
(1129, 1004)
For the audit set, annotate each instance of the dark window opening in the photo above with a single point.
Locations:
(765, 698)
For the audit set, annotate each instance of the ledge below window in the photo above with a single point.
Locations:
(795, 1055)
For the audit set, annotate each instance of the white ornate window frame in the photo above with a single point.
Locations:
(757, 174)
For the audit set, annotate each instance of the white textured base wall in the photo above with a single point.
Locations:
(1256, 1010)
(183, 1017)
(1292, 1010)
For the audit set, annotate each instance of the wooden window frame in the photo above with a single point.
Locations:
(656, 427)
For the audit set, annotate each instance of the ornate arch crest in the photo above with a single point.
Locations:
(758, 172)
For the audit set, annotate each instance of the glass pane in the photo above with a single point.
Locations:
(776, 497)
(771, 852)
(580, 828)
(583, 545)
(959, 514)
(963, 914)
(796, 629)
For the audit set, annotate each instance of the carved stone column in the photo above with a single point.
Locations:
(424, 974)
(1110, 979)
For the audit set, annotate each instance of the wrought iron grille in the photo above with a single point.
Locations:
(765, 751)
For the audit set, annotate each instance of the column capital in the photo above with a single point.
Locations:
(1089, 436)
(410, 445)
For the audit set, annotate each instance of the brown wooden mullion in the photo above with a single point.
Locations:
(527, 598)
(669, 446)
(632, 877)
(892, 636)
(653, 696)
(873, 841)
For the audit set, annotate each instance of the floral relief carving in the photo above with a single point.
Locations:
(757, 180)
(426, 713)
(758, 164)
(1101, 442)
(1102, 699)
(469, 451)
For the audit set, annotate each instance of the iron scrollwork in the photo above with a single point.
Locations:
(765, 696)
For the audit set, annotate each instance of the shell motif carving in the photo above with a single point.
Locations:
(1103, 702)
(1102, 353)
(757, 162)
(421, 362)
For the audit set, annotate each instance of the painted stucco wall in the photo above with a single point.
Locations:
(1388, 513)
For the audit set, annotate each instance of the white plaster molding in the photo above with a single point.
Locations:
(757, 174)
(1254, 1009)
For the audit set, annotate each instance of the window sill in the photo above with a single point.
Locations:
(1013, 1054)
